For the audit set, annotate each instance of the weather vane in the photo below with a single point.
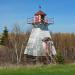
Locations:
(40, 7)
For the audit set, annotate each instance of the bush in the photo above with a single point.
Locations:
(60, 59)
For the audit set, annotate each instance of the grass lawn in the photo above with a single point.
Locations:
(39, 70)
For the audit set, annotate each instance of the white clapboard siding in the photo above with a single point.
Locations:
(34, 46)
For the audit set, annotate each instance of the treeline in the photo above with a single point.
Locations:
(12, 45)
(65, 45)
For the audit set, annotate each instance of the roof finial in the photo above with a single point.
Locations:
(40, 7)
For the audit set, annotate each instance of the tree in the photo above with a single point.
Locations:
(17, 42)
(4, 38)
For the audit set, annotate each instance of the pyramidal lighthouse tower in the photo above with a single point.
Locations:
(39, 32)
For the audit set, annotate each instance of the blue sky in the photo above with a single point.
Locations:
(17, 11)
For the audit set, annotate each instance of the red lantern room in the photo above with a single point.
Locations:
(39, 17)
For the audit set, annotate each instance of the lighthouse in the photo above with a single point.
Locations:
(40, 30)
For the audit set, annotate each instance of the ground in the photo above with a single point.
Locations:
(66, 69)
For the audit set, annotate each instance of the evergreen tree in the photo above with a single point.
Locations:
(4, 38)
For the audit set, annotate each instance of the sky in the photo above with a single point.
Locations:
(17, 11)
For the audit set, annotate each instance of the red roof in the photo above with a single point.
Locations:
(40, 13)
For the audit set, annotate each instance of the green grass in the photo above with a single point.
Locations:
(39, 70)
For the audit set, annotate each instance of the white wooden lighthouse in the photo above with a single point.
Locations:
(40, 30)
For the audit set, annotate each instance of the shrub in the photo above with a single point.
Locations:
(60, 59)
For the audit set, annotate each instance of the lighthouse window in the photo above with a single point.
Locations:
(42, 17)
(36, 18)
